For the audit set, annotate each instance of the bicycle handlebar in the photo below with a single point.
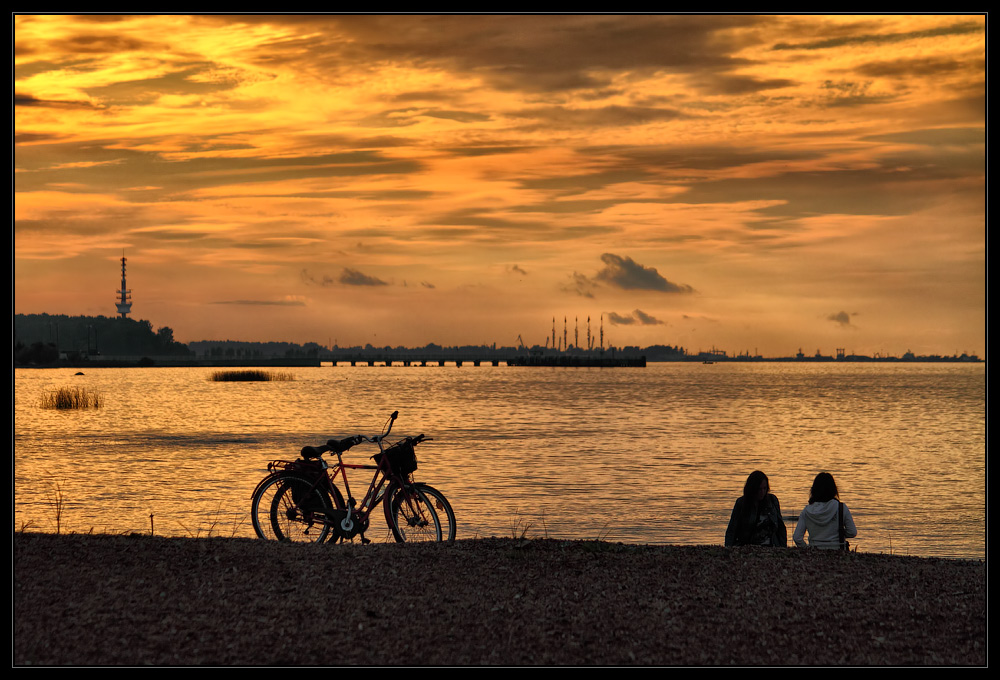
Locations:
(343, 445)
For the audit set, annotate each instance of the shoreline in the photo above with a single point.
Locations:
(113, 600)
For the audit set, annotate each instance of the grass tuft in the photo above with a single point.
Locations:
(251, 375)
(72, 398)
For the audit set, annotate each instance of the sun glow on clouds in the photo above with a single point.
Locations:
(303, 177)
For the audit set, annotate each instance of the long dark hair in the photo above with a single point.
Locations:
(823, 489)
(752, 486)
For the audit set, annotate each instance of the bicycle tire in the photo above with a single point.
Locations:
(442, 507)
(289, 508)
(411, 516)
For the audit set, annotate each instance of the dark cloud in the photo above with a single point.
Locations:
(841, 318)
(604, 116)
(21, 99)
(572, 184)
(648, 158)
(413, 115)
(352, 277)
(264, 303)
(625, 273)
(198, 78)
(843, 93)
(459, 116)
(885, 188)
(535, 53)
(739, 84)
(473, 151)
(110, 169)
(850, 36)
(348, 277)
(637, 317)
(313, 280)
(960, 136)
(646, 319)
(920, 67)
(483, 225)
(103, 43)
(581, 285)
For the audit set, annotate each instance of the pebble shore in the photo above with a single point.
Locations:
(105, 600)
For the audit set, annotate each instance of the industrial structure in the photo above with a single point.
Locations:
(124, 303)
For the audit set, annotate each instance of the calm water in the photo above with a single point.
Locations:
(654, 455)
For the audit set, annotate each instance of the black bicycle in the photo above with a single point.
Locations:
(299, 501)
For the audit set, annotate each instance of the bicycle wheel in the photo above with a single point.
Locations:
(288, 508)
(260, 514)
(446, 516)
(411, 516)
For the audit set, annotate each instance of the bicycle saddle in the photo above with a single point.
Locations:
(335, 445)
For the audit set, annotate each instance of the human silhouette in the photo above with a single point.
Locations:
(827, 521)
(756, 518)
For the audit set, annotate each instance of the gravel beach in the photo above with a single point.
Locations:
(140, 600)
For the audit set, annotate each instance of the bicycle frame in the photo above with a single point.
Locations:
(383, 475)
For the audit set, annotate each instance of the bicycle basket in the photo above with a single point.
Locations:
(402, 458)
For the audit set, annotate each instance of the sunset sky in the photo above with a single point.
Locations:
(750, 183)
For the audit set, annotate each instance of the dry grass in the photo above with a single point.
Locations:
(251, 375)
(72, 398)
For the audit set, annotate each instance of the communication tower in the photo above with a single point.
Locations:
(124, 303)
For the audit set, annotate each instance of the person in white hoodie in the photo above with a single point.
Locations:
(821, 518)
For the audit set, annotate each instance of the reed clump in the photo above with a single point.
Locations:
(72, 398)
(251, 375)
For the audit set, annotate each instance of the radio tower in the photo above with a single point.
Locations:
(124, 295)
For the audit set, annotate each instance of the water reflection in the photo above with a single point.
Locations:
(652, 455)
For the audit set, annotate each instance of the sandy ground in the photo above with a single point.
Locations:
(141, 600)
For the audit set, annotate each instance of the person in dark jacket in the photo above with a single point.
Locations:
(756, 518)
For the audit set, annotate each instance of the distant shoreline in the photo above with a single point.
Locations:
(172, 362)
(143, 600)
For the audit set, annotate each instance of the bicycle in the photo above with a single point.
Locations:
(298, 500)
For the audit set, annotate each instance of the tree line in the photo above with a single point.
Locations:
(45, 338)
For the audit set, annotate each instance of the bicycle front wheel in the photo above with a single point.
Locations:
(410, 515)
(446, 516)
(289, 508)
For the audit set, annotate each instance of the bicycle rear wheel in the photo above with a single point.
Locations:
(410, 515)
(289, 508)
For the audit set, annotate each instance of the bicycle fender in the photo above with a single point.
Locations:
(264, 481)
